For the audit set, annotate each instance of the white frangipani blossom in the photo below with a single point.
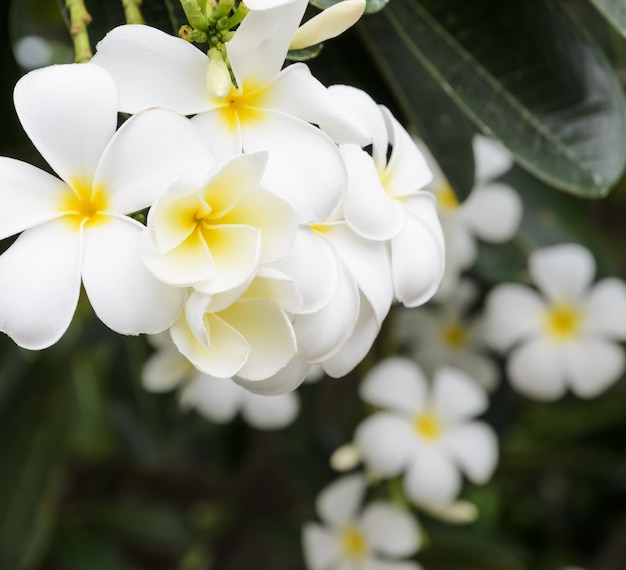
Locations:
(441, 333)
(75, 228)
(492, 212)
(379, 536)
(564, 336)
(213, 229)
(426, 432)
(386, 200)
(217, 399)
(267, 109)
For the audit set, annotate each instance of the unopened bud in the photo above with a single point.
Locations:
(345, 458)
(328, 24)
(219, 83)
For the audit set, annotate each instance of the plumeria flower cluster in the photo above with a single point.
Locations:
(273, 242)
(566, 334)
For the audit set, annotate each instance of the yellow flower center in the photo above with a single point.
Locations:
(428, 426)
(562, 322)
(84, 204)
(353, 543)
(243, 106)
(453, 335)
(446, 198)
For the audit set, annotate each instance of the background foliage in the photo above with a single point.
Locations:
(97, 473)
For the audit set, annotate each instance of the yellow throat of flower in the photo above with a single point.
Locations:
(353, 543)
(446, 198)
(428, 426)
(562, 322)
(243, 105)
(83, 204)
(453, 335)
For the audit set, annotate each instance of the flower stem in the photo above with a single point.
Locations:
(132, 12)
(79, 19)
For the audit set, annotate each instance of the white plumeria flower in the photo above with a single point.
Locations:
(377, 537)
(385, 199)
(75, 228)
(426, 432)
(212, 230)
(492, 212)
(442, 333)
(565, 336)
(245, 333)
(268, 109)
(217, 399)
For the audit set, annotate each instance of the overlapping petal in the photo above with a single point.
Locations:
(491, 158)
(456, 397)
(124, 294)
(154, 69)
(270, 412)
(338, 503)
(605, 309)
(432, 479)
(217, 399)
(474, 447)
(390, 530)
(321, 548)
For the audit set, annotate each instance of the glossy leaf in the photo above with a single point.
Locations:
(444, 128)
(614, 11)
(526, 73)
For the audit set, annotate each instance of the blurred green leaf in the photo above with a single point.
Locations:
(446, 131)
(526, 73)
(304, 54)
(31, 479)
(614, 11)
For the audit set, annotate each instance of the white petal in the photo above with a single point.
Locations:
(385, 441)
(124, 294)
(338, 503)
(360, 256)
(267, 331)
(328, 24)
(270, 412)
(359, 105)
(367, 207)
(562, 272)
(432, 479)
(225, 356)
(154, 69)
(217, 399)
(605, 309)
(393, 565)
(223, 141)
(493, 212)
(407, 170)
(592, 365)
(314, 267)
(491, 158)
(322, 334)
(390, 530)
(294, 171)
(286, 379)
(396, 383)
(461, 249)
(479, 367)
(296, 92)
(149, 152)
(70, 114)
(258, 49)
(29, 196)
(321, 548)
(474, 446)
(40, 284)
(536, 370)
(358, 345)
(512, 313)
(456, 397)
(417, 253)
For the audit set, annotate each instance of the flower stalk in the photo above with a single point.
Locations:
(79, 20)
(132, 12)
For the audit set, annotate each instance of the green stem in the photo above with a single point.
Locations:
(79, 19)
(132, 12)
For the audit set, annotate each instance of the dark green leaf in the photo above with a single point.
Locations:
(614, 11)
(445, 129)
(305, 53)
(526, 73)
